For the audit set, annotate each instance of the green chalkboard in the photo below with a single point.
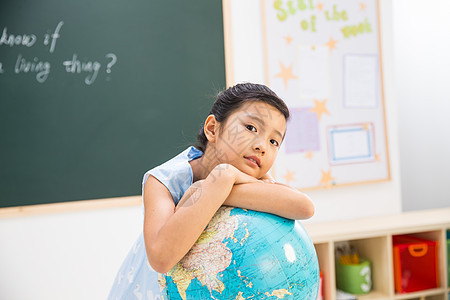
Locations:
(93, 93)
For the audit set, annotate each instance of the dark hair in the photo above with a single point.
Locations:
(233, 98)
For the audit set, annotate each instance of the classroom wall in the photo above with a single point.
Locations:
(422, 76)
(76, 255)
(68, 256)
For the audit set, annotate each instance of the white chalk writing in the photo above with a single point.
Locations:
(54, 36)
(76, 66)
(11, 40)
(41, 68)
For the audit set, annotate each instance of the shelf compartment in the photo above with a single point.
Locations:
(376, 250)
(415, 263)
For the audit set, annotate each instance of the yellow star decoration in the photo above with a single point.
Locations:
(366, 126)
(362, 6)
(320, 108)
(285, 74)
(326, 179)
(319, 6)
(377, 157)
(309, 155)
(331, 43)
(288, 39)
(289, 176)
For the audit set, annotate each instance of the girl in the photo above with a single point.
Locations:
(236, 148)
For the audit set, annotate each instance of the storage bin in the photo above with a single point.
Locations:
(415, 264)
(320, 294)
(354, 278)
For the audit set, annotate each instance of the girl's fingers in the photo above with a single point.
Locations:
(268, 180)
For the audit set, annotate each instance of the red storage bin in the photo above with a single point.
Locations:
(415, 264)
(320, 294)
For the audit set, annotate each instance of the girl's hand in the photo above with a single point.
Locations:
(267, 178)
(239, 176)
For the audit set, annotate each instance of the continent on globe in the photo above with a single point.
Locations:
(279, 293)
(244, 254)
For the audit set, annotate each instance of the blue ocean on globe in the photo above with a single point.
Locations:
(244, 254)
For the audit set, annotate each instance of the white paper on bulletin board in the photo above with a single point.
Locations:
(323, 58)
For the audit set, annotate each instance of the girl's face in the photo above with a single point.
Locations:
(251, 137)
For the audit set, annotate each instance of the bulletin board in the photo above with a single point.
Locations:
(324, 59)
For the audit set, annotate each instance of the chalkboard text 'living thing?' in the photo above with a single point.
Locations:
(41, 68)
(76, 66)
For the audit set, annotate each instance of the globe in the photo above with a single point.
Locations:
(244, 254)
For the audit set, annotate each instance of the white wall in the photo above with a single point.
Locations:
(422, 76)
(76, 255)
(65, 256)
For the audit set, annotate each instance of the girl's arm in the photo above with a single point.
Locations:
(275, 198)
(168, 235)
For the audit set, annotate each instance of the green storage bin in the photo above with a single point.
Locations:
(354, 278)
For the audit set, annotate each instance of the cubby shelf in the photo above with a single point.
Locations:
(372, 237)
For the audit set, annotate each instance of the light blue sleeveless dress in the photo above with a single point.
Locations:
(136, 279)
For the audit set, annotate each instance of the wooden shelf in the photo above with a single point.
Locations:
(372, 237)
(374, 295)
(421, 294)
